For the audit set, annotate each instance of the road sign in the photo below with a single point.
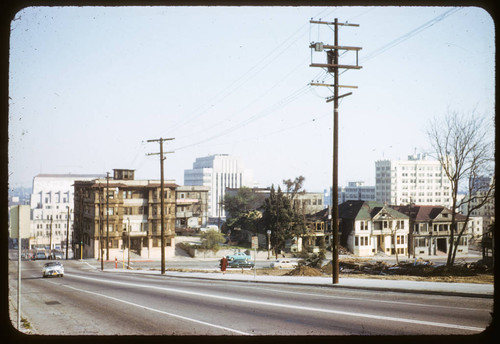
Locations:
(255, 242)
(20, 221)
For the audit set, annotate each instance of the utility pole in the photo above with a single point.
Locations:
(162, 199)
(107, 215)
(50, 239)
(333, 66)
(100, 228)
(67, 234)
(128, 244)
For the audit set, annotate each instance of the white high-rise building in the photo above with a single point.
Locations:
(51, 202)
(416, 180)
(219, 171)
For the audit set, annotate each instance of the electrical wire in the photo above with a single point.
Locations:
(410, 34)
(300, 92)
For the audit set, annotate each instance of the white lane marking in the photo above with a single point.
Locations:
(157, 310)
(369, 300)
(303, 308)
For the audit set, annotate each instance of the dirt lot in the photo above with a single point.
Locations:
(359, 268)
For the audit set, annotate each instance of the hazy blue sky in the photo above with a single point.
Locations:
(89, 86)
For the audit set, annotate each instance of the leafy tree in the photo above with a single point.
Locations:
(280, 218)
(241, 209)
(293, 188)
(211, 240)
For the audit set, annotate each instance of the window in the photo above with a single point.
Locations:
(363, 225)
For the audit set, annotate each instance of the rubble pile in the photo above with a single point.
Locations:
(303, 270)
(422, 268)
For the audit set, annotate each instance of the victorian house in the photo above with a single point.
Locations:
(368, 227)
(431, 229)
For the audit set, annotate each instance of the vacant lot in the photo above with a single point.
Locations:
(359, 268)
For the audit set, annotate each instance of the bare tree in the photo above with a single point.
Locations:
(463, 146)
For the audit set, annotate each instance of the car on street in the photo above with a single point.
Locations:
(238, 256)
(240, 263)
(53, 269)
(40, 255)
(284, 264)
(56, 255)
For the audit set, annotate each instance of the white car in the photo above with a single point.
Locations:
(53, 269)
(284, 264)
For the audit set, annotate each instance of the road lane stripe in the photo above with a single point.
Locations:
(369, 300)
(303, 308)
(157, 310)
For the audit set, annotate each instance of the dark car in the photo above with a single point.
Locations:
(240, 263)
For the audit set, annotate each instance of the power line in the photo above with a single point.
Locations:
(323, 73)
(263, 113)
(410, 34)
(230, 89)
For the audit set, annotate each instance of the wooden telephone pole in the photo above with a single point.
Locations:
(107, 215)
(333, 66)
(162, 198)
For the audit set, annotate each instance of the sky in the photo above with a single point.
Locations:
(88, 86)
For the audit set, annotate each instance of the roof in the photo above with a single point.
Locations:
(69, 175)
(366, 210)
(124, 184)
(320, 215)
(426, 213)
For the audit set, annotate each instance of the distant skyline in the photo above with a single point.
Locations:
(88, 86)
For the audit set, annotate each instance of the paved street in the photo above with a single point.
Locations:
(88, 301)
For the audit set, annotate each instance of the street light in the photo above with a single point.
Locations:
(268, 242)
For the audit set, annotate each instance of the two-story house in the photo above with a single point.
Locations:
(431, 226)
(368, 227)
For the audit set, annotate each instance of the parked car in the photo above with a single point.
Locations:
(53, 269)
(284, 264)
(240, 263)
(56, 255)
(238, 255)
(40, 255)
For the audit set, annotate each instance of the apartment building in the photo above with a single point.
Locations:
(120, 208)
(51, 204)
(356, 191)
(218, 172)
(191, 208)
(416, 180)
(479, 194)
(309, 202)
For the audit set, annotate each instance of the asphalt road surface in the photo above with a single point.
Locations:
(88, 301)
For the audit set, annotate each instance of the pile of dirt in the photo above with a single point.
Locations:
(418, 268)
(303, 270)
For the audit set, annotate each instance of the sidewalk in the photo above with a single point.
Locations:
(405, 286)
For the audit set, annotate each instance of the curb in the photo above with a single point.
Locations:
(368, 288)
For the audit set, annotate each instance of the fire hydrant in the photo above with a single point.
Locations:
(116, 263)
